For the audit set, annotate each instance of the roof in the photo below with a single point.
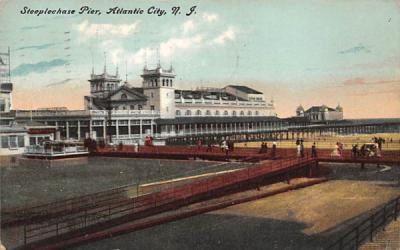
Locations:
(215, 119)
(103, 102)
(129, 90)
(36, 125)
(245, 89)
(13, 128)
(319, 109)
(138, 90)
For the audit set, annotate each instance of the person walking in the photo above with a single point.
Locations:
(273, 149)
(313, 151)
(298, 150)
(301, 149)
(209, 147)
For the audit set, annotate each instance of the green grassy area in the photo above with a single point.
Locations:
(34, 183)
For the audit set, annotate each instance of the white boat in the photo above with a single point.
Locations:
(55, 150)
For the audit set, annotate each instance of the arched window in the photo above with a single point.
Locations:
(132, 107)
(242, 113)
(188, 113)
(233, 113)
(178, 113)
(198, 112)
(163, 82)
(225, 113)
(208, 112)
(256, 112)
(249, 113)
(217, 113)
(124, 97)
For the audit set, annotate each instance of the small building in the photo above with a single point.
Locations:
(16, 137)
(320, 113)
(38, 133)
(13, 139)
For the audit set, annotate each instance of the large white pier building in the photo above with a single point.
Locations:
(116, 111)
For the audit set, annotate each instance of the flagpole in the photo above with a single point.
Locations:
(9, 65)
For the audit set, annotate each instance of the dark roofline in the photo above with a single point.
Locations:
(215, 119)
(130, 90)
(245, 89)
(318, 109)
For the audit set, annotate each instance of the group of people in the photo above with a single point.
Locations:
(264, 148)
(338, 150)
(379, 141)
(300, 149)
(225, 146)
(366, 150)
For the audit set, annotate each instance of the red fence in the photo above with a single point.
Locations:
(94, 215)
(59, 208)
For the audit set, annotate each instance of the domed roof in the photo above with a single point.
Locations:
(339, 108)
(300, 108)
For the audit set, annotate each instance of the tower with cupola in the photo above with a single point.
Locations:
(159, 87)
(103, 84)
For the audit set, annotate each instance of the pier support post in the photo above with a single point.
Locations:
(79, 130)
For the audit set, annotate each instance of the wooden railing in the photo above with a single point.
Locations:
(366, 229)
(87, 217)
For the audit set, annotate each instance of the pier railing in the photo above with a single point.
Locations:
(157, 201)
(366, 229)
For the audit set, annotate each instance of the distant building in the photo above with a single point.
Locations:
(320, 113)
(16, 136)
(6, 86)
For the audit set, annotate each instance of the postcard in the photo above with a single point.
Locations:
(225, 124)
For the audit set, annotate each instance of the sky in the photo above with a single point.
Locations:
(310, 52)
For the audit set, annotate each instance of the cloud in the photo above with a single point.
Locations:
(92, 29)
(188, 26)
(228, 34)
(59, 82)
(139, 57)
(32, 27)
(40, 67)
(168, 48)
(361, 81)
(37, 47)
(210, 17)
(357, 49)
(374, 92)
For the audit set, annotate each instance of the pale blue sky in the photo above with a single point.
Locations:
(308, 52)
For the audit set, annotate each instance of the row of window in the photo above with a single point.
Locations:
(13, 141)
(109, 86)
(130, 107)
(38, 140)
(216, 113)
(164, 82)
